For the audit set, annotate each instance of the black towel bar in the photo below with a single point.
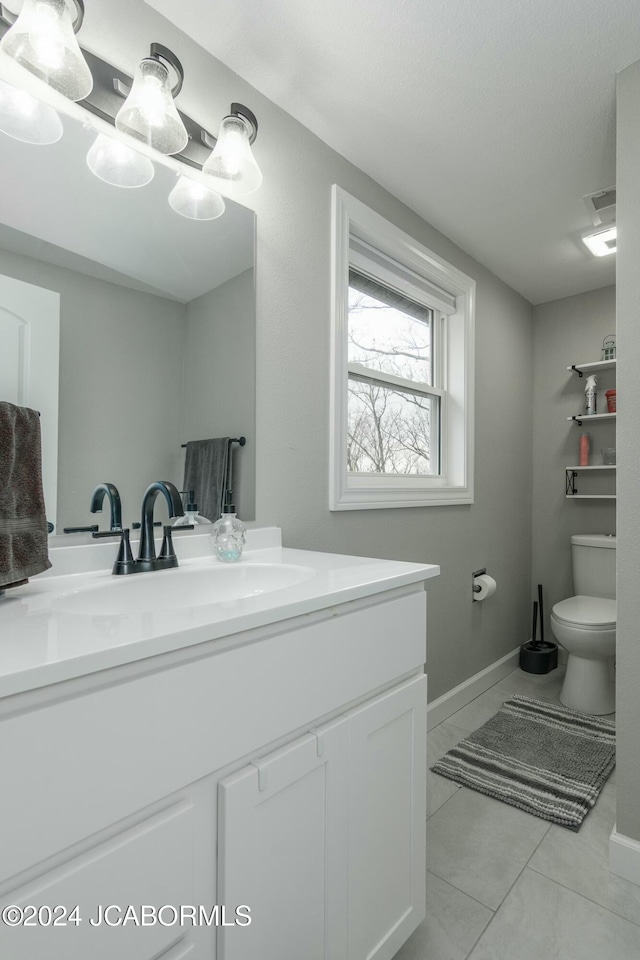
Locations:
(239, 440)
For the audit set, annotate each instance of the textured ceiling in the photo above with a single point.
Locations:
(490, 119)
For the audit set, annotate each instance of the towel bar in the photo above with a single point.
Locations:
(239, 440)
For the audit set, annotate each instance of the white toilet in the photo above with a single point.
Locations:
(585, 625)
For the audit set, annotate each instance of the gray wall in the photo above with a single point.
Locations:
(567, 331)
(120, 387)
(293, 316)
(219, 377)
(628, 287)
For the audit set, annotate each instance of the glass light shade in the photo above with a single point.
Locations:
(43, 42)
(25, 118)
(149, 113)
(118, 164)
(232, 164)
(191, 199)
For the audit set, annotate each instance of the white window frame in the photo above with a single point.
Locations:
(354, 224)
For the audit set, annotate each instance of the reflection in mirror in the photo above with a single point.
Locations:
(157, 324)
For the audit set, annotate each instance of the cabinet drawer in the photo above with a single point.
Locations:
(149, 864)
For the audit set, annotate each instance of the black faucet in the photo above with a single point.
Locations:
(147, 559)
(97, 498)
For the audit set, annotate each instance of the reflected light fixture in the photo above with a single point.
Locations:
(232, 165)
(118, 164)
(603, 241)
(192, 199)
(25, 118)
(149, 113)
(42, 40)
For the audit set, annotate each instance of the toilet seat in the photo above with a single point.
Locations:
(595, 613)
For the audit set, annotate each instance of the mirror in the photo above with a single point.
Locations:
(157, 323)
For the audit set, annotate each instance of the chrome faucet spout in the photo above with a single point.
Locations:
(97, 498)
(147, 552)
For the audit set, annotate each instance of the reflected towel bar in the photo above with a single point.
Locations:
(240, 440)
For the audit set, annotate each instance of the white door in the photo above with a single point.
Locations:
(282, 848)
(29, 355)
(387, 820)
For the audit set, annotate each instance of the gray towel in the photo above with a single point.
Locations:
(23, 522)
(205, 472)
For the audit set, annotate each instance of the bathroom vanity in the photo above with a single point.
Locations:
(255, 742)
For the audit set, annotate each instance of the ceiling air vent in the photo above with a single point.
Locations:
(601, 206)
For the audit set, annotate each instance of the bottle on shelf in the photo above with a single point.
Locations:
(591, 396)
(585, 446)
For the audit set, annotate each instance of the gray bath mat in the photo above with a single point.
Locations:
(545, 759)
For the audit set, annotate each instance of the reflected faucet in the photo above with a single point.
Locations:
(147, 559)
(97, 498)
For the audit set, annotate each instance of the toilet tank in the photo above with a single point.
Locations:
(593, 558)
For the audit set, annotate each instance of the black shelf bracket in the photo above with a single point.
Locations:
(570, 483)
(577, 370)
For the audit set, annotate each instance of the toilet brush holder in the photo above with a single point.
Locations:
(538, 656)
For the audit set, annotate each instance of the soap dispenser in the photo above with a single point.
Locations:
(228, 535)
(191, 516)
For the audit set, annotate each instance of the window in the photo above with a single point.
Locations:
(402, 365)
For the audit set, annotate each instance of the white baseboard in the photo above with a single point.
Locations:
(624, 856)
(449, 703)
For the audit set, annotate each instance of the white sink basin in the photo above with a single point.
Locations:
(180, 588)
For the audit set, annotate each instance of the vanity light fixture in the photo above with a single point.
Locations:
(601, 242)
(118, 164)
(232, 166)
(25, 118)
(42, 40)
(193, 200)
(149, 113)
(149, 128)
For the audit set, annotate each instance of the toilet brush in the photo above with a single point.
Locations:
(538, 656)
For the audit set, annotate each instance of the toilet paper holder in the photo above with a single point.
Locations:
(476, 586)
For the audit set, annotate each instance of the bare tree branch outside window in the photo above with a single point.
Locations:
(390, 429)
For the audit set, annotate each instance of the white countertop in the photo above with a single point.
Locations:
(42, 643)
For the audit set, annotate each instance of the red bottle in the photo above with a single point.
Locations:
(585, 443)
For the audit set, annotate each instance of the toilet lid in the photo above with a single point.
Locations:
(590, 611)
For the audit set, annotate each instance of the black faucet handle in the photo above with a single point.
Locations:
(103, 534)
(168, 556)
(124, 561)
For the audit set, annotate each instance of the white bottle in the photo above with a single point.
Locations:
(590, 396)
(228, 536)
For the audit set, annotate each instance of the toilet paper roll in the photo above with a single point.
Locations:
(487, 586)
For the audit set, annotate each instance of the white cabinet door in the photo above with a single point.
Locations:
(282, 849)
(387, 820)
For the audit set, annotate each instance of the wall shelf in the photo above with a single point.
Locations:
(596, 466)
(590, 496)
(582, 417)
(571, 473)
(595, 367)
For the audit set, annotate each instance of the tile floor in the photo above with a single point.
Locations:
(504, 885)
